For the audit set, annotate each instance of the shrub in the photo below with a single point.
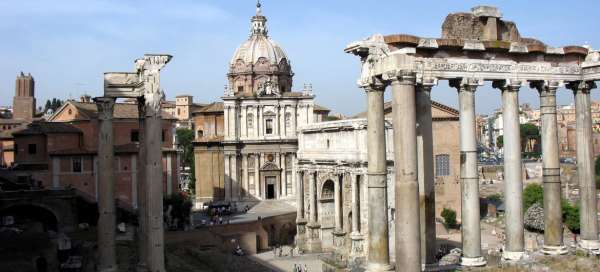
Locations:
(182, 207)
(449, 216)
(570, 216)
(532, 194)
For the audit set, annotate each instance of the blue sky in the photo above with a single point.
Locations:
(68, 44)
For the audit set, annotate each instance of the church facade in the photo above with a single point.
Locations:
(261, 118)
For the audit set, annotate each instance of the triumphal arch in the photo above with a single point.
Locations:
(143, 85)
(475, 47)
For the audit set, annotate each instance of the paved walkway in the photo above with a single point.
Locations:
(264, 209)
(286, 263)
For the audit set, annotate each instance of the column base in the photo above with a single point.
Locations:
(589, 244)
(469, 261)
(314, 239)
(338, 239)
(555, 250)
(375, 267)
(357, 248)
(513, 255)
(300, 238)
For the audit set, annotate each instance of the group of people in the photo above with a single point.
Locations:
(300, 268)
(278, 251)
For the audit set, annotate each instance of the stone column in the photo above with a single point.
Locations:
(154, 178)
(257, 193)
(283, 182)
(235, 177)
(378, 258)
(553, 226)
(513, 183)
(426, 175)
(585, 166)
(471, 230)
(408, 240)
(338, 232)
(356, 237)
(245, 179)
(142, 234)
(300, 220)
(107, 261)
(314, 239)
(226, 165)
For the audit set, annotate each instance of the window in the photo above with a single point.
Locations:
(32, 149)
(442, 165)
(269, 126)
(288, 123)
(163, 135)
(240, 89)
(135, 136)
(200, 133)
(178, 111)
(77, 164)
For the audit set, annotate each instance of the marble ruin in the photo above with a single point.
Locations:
(475, 48)
(143, 85)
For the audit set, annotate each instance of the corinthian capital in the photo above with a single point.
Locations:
(371, 52)
(106, 106)
(155, 62)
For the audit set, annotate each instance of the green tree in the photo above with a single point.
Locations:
(449, 216)
(533, 193)
(530, 134)
(185, 138)
(500, 141)
(331, 118)
(570, 216)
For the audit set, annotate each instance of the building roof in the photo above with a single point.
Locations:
(321, 108)
(44, 128)
(121, 110)
(212, 107)
(452, 112)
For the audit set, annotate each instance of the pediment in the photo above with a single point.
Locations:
(269, 166)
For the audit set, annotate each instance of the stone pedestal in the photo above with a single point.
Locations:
(301, 234)
(338, 240)
(314, 238)
(357, 247)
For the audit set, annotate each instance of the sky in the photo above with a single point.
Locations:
(67, 45)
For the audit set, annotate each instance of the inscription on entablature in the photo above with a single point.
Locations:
(591, 70)
(499, 68)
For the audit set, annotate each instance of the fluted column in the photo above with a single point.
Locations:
(300, 220)
(553, 225)
(107, 261)
(585, 167)
(513, 183)
(471, 231)
(425, 174)
(408, 237)
(378, 258)
(314, 239)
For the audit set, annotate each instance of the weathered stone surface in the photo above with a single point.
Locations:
(469, 26)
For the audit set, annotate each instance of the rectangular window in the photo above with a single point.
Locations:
(77, 164)
(32, 149)
(269, 126)
(135, 136)
(240, 89)
(442, 165)
(163, 135)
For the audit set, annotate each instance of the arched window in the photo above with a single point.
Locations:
(200, 134)
(327, 191)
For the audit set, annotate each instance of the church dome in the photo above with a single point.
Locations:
(259, 44)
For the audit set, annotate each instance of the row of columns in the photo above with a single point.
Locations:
(149, 187)
(414, 173)
(310, 239)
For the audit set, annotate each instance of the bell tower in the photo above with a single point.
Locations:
(24, 100)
